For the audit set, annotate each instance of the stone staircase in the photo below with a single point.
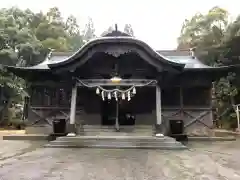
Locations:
(95, 130)
(118, 142)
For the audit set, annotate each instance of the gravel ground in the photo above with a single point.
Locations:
(203, 161)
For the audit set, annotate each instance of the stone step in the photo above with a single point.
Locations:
(115, 134)
(117, 142)
(121, 129)
(112, 143)
(95, 130)
(173, 147)
(118, 138)
(107, 127)
(114, 130)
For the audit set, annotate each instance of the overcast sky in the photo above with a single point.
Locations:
(157, 22)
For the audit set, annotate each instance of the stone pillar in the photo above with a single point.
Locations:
(158, 111)
(73, 112)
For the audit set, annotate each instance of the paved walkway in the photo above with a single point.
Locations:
(220, 160)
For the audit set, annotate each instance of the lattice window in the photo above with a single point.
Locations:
(47, 96)
(36, 98)
(196, 96)
(144, 102)
(170, 97)
(64, 96)
(50, 96)
(53, 96)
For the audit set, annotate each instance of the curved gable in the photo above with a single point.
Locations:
(117, 46)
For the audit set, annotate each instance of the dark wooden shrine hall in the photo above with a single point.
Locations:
(117, 81)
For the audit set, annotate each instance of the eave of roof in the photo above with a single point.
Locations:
(116, 40)
(180, 59)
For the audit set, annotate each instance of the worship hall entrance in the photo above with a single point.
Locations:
(139, 111)
(117, 112)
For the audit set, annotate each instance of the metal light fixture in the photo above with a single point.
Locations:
(116, 79)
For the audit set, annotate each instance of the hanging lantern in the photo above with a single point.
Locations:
(123, 96)
(97, 91)
(134, 90)
(103, 98)
(109, 95)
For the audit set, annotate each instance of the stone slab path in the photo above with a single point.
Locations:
(203, 161)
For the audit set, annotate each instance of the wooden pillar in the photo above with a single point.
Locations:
(181, 101)
(159, 125)
(73, 112)
(117, 115)
(158, 105)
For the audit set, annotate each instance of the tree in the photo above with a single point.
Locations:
(89, 31)
(15, 35)
(59, 44)
(75, 39)
(216, 41)
(110, 29)
(27, 37)
(205, 32)
(128, 29)
(54, 16)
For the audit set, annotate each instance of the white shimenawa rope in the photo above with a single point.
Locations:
(114, 90)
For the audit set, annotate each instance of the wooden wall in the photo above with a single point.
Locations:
(192, 104)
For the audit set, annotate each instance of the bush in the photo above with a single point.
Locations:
(229, 121)
(17, 124)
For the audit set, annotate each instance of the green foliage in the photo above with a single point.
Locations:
(60, 44)
(204, 31)
(219, 39)
(14, 118)
(225, 87)
(27, 37)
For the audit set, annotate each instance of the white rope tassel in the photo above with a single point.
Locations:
(97, 91)
(109, 95)
(115, 93)
(103, 98)
(123, 96)
(134, 90)
(129, 97)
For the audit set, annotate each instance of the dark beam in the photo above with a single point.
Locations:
(124, 82)
(51, 84)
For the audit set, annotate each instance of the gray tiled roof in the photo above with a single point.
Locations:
(181, 57)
